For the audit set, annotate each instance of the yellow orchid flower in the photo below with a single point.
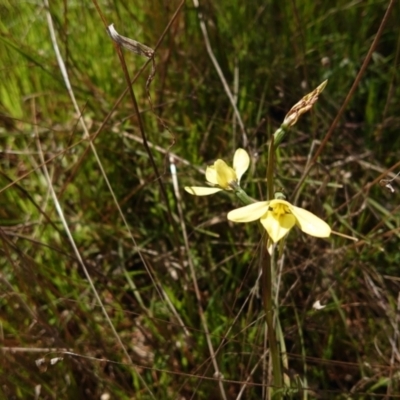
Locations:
(279, 216)
(221, 175)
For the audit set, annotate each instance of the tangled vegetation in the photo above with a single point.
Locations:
(115, 283)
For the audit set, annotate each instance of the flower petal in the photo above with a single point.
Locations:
(201, 191)
(274, 202)
(241, 162)
(310, 223)
(211, 175)
(225, 174)
(278, 226)
(249, 213)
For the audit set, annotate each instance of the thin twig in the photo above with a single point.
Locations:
(121, 97)
(155, 282)
(132, 45)
(217, 372)
(75, 247)
(349, 95)
(58, 205)
(220, 73)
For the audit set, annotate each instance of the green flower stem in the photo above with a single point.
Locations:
(280, 133)
(270, 169)
(241, 194)
(269, 311)
(268, 267)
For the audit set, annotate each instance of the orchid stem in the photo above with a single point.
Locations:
(270, 169)
(279, 134)
(241, 194)
(270, 317)
(267, 263)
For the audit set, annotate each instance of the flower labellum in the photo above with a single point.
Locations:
(279, 216)
(221, 176)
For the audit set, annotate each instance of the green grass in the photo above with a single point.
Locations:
(277, 52)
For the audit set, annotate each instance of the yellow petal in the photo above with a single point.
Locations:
(274, 202)
(241, 162)
(278, 226)
(225, 174)
(249, 213)
(310, 223)
(201, 191)
(211, 175)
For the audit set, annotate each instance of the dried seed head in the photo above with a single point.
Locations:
(304, 105)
